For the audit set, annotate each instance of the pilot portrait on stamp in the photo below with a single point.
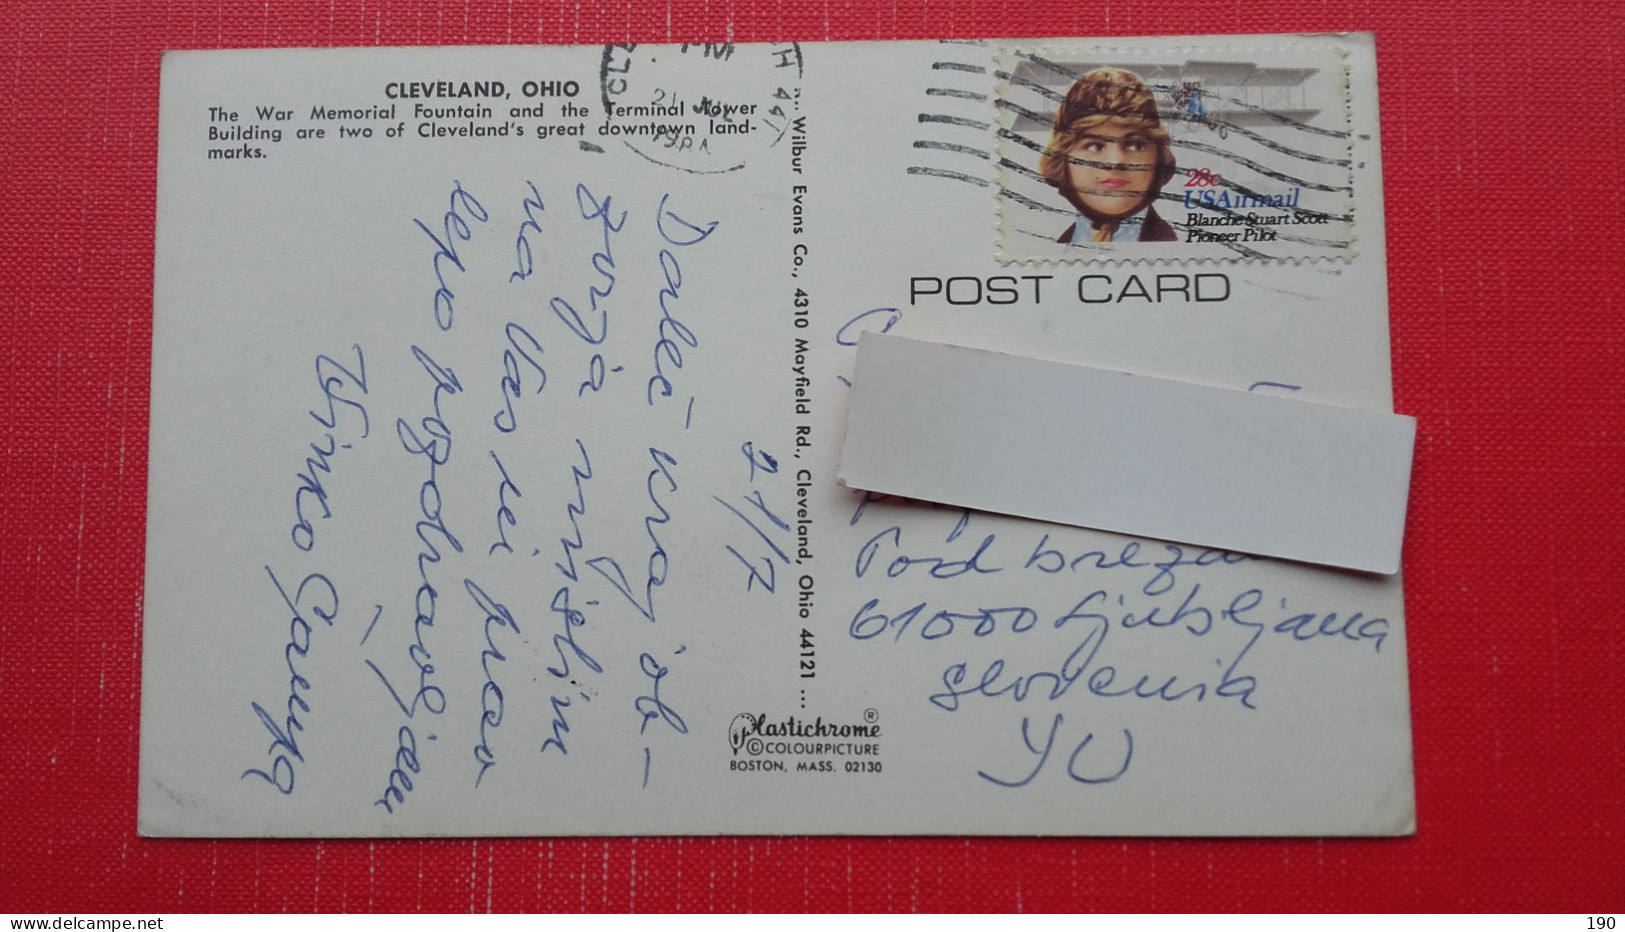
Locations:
(1109, 157)
(1132, 154)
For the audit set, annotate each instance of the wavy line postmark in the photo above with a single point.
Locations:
(1127, 153)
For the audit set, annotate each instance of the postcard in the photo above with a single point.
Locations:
(498, 396)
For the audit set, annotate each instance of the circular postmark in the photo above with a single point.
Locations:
(699, 108)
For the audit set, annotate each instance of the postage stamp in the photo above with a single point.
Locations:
(1124, 154)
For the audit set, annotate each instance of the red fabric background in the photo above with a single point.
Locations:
(1501, 140)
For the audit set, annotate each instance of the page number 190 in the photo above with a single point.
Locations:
(1600, 922)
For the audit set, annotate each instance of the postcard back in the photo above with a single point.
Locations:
(497, 396)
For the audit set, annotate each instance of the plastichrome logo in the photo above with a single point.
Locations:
(746, 725)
